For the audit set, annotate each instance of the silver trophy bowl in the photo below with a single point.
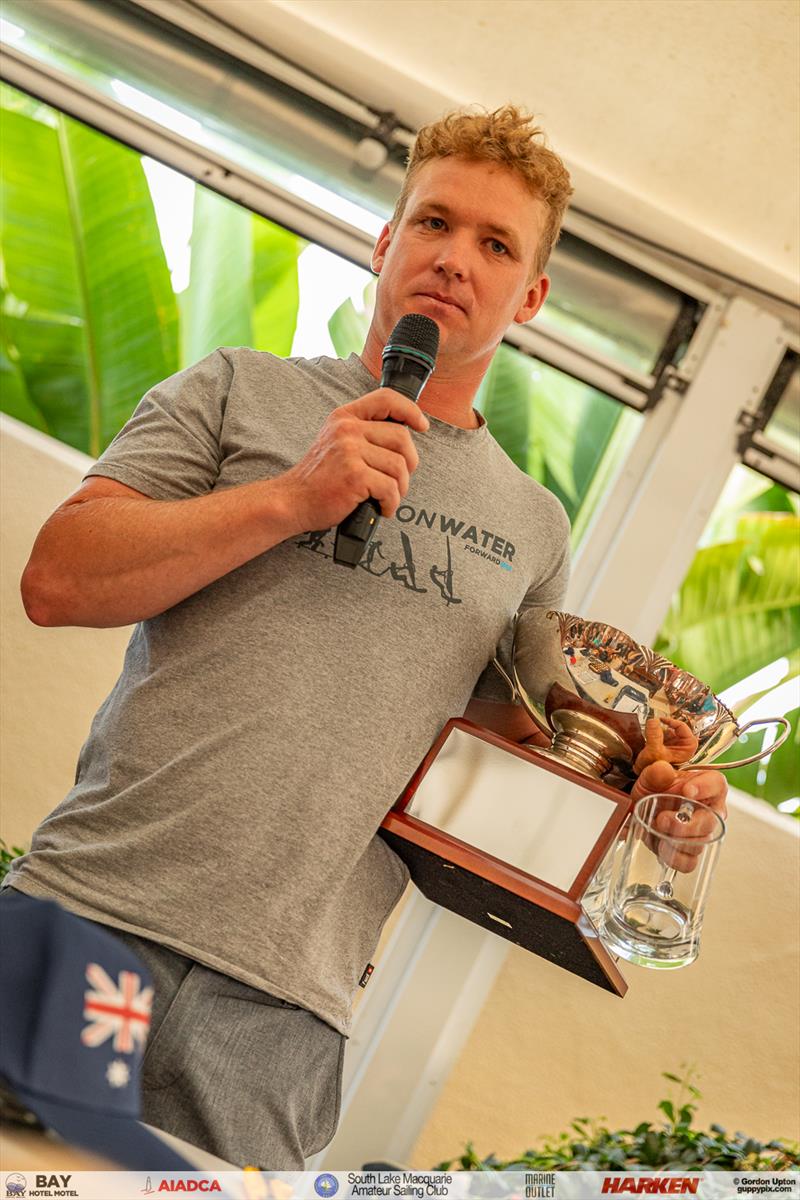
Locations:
(592, 689)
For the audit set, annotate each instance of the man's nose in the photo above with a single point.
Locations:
(453, 258)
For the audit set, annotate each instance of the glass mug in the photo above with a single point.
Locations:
(659, 881)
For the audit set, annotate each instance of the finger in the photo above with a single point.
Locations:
(384, 489)
(386, 403)
(700, 823)
(675, 725)
(709, 787)
(683, 859)
(391, 437)
(388, 463)
(657, 777)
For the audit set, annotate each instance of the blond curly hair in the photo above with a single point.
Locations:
(508, 136)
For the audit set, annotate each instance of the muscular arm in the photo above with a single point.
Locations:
(111, 556)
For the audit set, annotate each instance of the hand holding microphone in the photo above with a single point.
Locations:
(364, 453)
(409, 357)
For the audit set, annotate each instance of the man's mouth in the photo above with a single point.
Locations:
(442, 299)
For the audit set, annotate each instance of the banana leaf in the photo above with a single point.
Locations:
(775, 779)
(276, 286)
(739, 606)
(504, 400)
(215, 307)
(90, 320)
(243, 286)
(348, 328)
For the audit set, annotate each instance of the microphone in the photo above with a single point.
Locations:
(409, 357)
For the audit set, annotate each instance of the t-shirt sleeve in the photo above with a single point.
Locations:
(544, 593)
(170, 447)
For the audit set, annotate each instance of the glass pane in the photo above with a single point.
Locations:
(564, 433)
(608, 305)
(735, 624)
(156, 70)
(783, 428)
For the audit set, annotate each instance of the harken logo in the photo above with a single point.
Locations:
(651, 1185)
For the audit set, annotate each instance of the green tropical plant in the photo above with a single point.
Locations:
(739, 605)
(673, 1144)
(348, 327)
(567, 436)
(243, 286)
(7, 857)
(90, 318)
(737, 611)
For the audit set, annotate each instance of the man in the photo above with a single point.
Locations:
(272, 704)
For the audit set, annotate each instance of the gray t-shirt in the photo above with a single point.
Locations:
(227, 798)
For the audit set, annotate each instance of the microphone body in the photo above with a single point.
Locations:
(408, 361)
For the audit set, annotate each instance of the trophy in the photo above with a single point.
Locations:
(523, 841)
(611, 705)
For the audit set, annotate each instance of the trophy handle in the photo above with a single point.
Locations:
(743, 762)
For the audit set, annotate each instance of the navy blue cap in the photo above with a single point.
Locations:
(74, 1014)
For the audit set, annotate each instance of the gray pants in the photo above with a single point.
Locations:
(238, 1072)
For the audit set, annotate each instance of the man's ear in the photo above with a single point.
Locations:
(534, 299)
(381, 246)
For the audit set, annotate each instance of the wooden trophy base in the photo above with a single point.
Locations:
(555, 824)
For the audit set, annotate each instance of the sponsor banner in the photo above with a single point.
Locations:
(393, 1185)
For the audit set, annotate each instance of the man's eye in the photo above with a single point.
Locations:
(430, 221)
(503, 249)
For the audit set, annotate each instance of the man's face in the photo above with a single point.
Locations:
(468, 234)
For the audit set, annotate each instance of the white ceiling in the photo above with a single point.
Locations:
(678, 119)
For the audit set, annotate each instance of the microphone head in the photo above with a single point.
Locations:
(415, 333)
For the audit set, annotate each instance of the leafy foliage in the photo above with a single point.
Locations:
(672, 1144)
(90, 318)
(567, 436)
(348, 326)
(7, 857)
(738, 610)
(243, 287)
(739, 605)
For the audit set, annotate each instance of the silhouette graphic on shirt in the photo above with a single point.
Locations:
(443, 578)
(314, 541)
(403, 572)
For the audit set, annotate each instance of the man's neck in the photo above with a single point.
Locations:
(448, 394)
